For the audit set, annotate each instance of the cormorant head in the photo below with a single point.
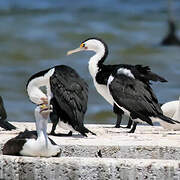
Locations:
(91, 44)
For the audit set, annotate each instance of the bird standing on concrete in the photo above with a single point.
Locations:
(172, 110)
(3, 117)
(34, 143)
(67, 92)
(125, 87)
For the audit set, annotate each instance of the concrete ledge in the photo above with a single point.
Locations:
(147, 143)
(66, 168)
(150, 153)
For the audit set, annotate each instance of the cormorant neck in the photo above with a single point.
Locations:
(41, 125)
(96, 61)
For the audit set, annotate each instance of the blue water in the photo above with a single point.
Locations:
(36, 35)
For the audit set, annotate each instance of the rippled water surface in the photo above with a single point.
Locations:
(36, 34)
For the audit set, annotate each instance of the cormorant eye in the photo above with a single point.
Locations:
(82, 45)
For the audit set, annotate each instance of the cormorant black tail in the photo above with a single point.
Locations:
(167, 119)
(85, 130)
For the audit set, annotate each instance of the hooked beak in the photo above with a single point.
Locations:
(75, 50)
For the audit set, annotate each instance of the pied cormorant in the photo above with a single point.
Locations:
(172, 110)
(67, 92)
(34, 143)
(125, 87)
(171, 38)
(3, 117)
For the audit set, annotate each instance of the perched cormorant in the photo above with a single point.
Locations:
(171, 38)
(34, 143)
(172, 110)
(67, 92)
(3, 115)
(125, 87)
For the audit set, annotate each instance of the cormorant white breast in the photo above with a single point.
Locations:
(67, 92)
(34, 143)
(125, 87)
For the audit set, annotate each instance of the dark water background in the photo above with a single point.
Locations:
(36, 34)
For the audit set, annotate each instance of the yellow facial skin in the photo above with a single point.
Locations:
(82, 45)
(43, 106)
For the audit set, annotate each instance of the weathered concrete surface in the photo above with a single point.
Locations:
(66, 168)
(148, 142)
(150, 153)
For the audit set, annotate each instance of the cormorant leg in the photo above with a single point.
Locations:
(6, 125)
(133, 128)
(61, 134)
(53, 129)
(129, 123)
(3, 122)
(70, 133)
(119, 113)
(118, 121)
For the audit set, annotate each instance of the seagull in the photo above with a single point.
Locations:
(125, 87)
(34, 143)
(67, 92)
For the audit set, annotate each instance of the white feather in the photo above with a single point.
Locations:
(172, 110)
(38, 147)
(34, 91)
(126, 72)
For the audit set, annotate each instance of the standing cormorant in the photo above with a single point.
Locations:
(67, 92)
(125, 87)
(172, 110)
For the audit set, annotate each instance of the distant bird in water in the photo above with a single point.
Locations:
(3, 117)
(34, 143)
(171, 37)
(172, 110)
(67, 92)
(125, 87)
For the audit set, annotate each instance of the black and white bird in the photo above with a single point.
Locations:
(172, 110)
(34, 143)
(67, 92)
(125, 87)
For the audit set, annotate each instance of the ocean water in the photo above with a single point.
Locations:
(36, 34)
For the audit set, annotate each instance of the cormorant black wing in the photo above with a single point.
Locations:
(135, 96)
(15, 145)
(143, 73)
(70, 92)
